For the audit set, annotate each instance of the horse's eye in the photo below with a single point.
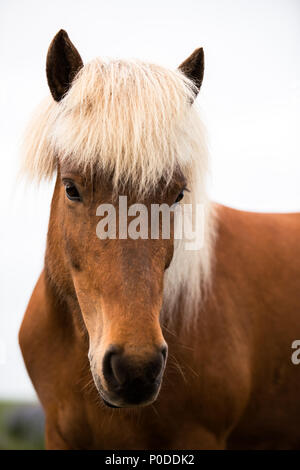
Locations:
(72, 192)
(180, 196)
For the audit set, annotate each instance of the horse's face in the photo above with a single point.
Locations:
(118, 281)
(119, 287)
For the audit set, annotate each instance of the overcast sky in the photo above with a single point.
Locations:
(250, 101)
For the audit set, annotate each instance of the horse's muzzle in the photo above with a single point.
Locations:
(132, 381)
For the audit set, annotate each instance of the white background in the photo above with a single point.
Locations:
(250, 101)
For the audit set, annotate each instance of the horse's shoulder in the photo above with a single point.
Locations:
(35, 334)
(33, 313)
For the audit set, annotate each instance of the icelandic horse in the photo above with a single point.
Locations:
(106, 313)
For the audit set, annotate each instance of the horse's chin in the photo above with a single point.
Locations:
(115, 403)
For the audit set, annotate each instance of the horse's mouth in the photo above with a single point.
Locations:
(141, 402)
(130, 405)
(110, 405)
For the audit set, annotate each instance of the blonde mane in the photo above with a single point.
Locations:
(133, 120)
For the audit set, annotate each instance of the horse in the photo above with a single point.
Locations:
(140, 343)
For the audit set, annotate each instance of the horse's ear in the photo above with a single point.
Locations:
(63, 62)
(193, 68)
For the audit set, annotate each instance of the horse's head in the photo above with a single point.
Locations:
(118, 284)
(117, 280)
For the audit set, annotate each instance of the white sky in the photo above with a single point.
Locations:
(250, 101)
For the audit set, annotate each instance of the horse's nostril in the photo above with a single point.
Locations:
(119, 368)
(164, 351)
(155, 367)
(107, 367)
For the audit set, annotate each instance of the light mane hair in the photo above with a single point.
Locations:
(136, 121)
